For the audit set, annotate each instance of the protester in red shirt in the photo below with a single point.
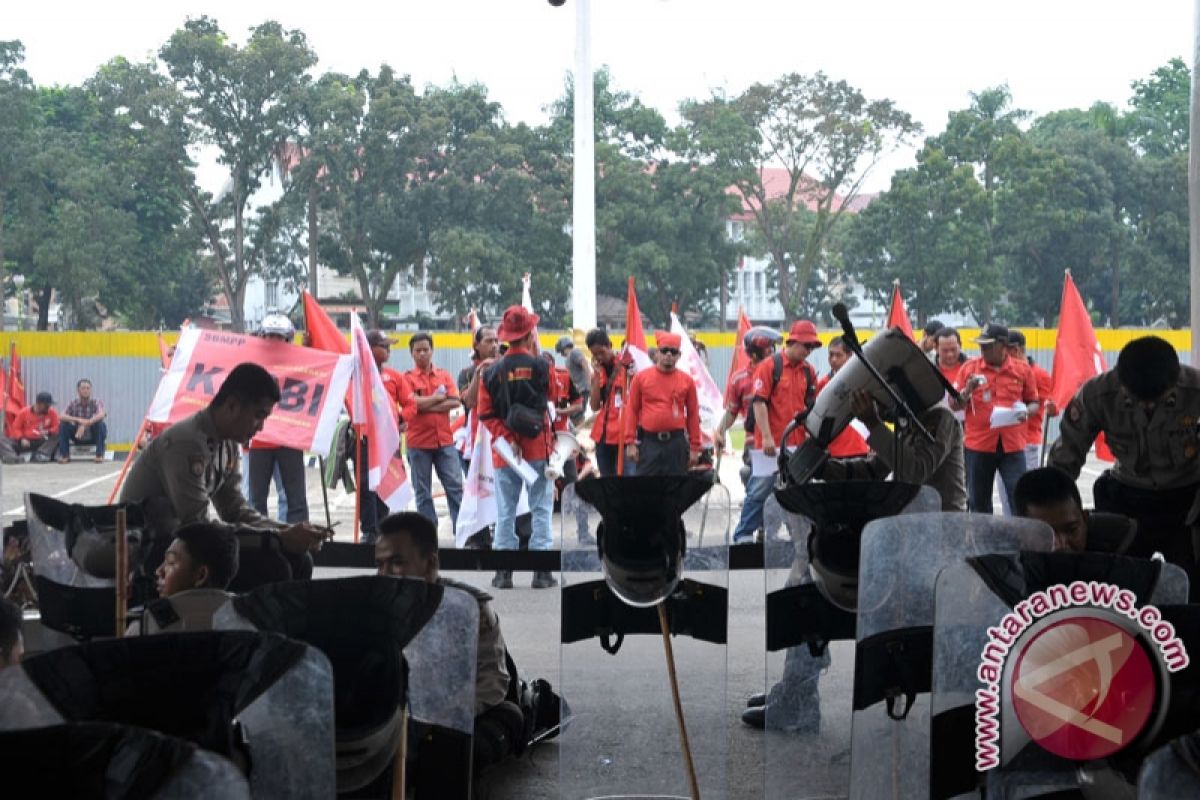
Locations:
(513, 400)
(430, 440)
(665, 413)
(759, 343)
(35, 430)
(569, 402)
(371, 508)
(606, 396)
(776, 404)
(994, 384)
(1045, 384)
(849, 443)
(949, 359)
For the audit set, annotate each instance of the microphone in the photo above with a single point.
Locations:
(842, 315)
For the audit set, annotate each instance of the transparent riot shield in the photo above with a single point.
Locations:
(1088, 692)
(73, 760)
(810, 655)
(246, 696)
(374, 630)
(900, 561)
(620, 737)
(1172, 771)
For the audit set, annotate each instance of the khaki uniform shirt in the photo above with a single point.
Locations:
(491, 668)
(938, 464)
(185, 469)
(1159, 450)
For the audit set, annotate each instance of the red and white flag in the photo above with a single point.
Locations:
(14, 388)
(635, 350)
(1077, 354)
(323, 334)
(712, 404)
(373, 412)
(897, 314)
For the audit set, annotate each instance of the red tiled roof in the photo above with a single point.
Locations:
(775, 183)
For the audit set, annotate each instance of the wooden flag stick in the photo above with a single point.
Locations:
(683, 735)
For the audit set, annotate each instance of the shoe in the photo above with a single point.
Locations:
(480, 540)
(99, 459)
(543, 580)
(757, 700)
(503, 579)
(63, 459)
(755, 717)
(744, 540)
(39, 458)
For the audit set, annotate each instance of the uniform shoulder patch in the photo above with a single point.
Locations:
(196, 467)
(1074, 412)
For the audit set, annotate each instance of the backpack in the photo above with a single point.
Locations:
(523, 407)
(810, 391)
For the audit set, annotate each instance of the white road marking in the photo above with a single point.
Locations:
(12, 512)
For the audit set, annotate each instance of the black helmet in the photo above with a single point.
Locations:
(641, 537)
(758, 339)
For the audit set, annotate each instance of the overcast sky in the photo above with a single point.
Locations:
(926, 56)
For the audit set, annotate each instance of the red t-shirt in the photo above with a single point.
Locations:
(429, 430)
(28, 424)
(783, 401)
(563, 389)
(399, 389)
(1045, 385)
(660, 402)
(950, 373)
(740, 392)
(608, 425)
(1006, 384)
(849, 443)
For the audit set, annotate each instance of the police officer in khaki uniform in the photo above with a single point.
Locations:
(197, 461)
(1147, 408)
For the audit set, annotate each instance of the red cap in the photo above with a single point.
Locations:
(668, 339)
(804, 332)
(516, 323)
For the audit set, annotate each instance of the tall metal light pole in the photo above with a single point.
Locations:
(583, 196)
(1194, 186)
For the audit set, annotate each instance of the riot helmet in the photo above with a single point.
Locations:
(760, 339)
(277, 325)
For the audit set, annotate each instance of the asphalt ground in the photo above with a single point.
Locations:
(638, 727)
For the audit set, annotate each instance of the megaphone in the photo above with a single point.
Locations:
(565, 446)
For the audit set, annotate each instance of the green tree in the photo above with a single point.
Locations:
(1160, 104)
(825, 135)
(929, 230)
(244, 102)
(18, 124)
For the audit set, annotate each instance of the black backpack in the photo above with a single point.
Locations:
(810, 391)
(519, 385)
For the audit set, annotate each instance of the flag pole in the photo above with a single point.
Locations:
(128, 460)
(359, 487)
(4, 405)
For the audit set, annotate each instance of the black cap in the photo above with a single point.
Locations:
(563, 344)
(44, 397)
(1015, 337)
(992, 333)
(377, 338)
(933, 326)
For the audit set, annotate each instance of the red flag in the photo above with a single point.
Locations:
(322, 333)
(14, 389)
(635, 338)
(740, 359)
(1077, 354)
(897, 314)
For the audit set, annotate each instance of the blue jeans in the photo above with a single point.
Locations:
(541, 507)
(283, 466)
(758, 489)
(97, 433)
(982, 468)
(422, 462)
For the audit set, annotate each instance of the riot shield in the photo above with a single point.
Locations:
(260, 700)
(387, 639)
(74, 558)
(901, 558)
(99, 759)
(806, 720)
(1172, 772)
(620, 736)
(1044, 694)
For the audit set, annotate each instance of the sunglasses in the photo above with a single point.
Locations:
(668, 351)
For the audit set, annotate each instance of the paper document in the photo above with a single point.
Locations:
(762, 465)
(527, 473)
(1007, 417)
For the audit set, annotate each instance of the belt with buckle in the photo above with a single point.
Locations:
(666, 436)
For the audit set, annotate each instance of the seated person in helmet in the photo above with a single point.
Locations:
(407, 547)
(1048, 494)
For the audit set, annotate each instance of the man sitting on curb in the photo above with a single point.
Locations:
(34, 430)
(82, 423)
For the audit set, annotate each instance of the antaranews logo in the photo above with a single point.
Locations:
(1077, 666)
